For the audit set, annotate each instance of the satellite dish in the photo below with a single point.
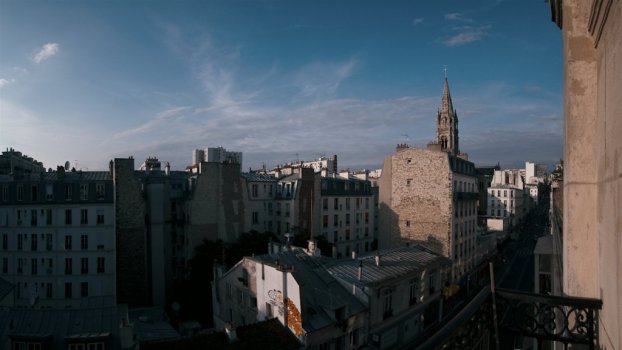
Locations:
(67, 165)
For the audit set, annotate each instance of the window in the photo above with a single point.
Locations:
(229, 290)
(84, 216)
(101, 264)
(48, 290)
(68, 192)
(347, 219)
(34, 191)
(5, 265)
(84, 265)
(325, 203)
(347, 203)
(414, 288)
(33, 266)
(407, 223)
(20, 266)
(366, 203)
(347, 237)
(20, 192)
(48, 241)
(100, 217)
(366, 218)
(84, 289)
(67, 216)
(387, 305)
(408, 182)
(336, 204)
(20, 241)
(325, 221)
(254, 190)
(335, 220)
(5, 241)
(33, 217)
(432, 282)
(67, 242)
(255, 217)
(100, 191)
(48, 217)
(68, 290)
(19, 217)
(84, 191)
(33, 242)
(68, 266)
(5, 193)
(49, 192)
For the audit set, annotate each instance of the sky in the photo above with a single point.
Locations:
(87, 81)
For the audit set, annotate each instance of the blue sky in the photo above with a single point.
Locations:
(87, 81)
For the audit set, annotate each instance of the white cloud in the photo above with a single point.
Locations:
(467, 35)
(48, 50)
(5, 82)
(418, 20)
(457, 16)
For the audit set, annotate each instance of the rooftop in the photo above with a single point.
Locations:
(394, 263)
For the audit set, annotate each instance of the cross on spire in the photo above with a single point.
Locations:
(445, 71)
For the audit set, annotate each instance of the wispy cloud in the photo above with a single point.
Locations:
(322, 79)
(466, 35)
(161, 120)
(5, 82)
(457, 16)
(418, 20)
(48, 50)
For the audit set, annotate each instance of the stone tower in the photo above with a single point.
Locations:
(447, 124)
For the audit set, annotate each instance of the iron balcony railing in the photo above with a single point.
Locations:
(566, 320)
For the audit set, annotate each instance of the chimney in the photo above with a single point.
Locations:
(167, 169)
(377, 259)
(231, 333)
(311, 247)
(360, 270)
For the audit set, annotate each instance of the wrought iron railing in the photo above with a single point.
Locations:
(567, 320)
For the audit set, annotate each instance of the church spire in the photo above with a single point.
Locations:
(447, 122)
(446, 104)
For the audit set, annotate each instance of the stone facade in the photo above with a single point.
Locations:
(424, 198)
(592, 152)
(429, 196)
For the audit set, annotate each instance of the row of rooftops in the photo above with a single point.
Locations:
(374, 268)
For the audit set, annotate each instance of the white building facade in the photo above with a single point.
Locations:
(58, 238)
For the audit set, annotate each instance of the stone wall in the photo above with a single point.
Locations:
(131, 241)
(593, 158)
(417, 205)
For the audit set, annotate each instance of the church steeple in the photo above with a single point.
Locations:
(447, 122)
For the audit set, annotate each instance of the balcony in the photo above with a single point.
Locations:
(519, 315)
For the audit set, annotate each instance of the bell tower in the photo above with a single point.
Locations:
(447, 123)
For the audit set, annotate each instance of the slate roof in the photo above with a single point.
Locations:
(394, 263)
(77, 175)
(255, 177)
(60, 324)
(151, 324)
